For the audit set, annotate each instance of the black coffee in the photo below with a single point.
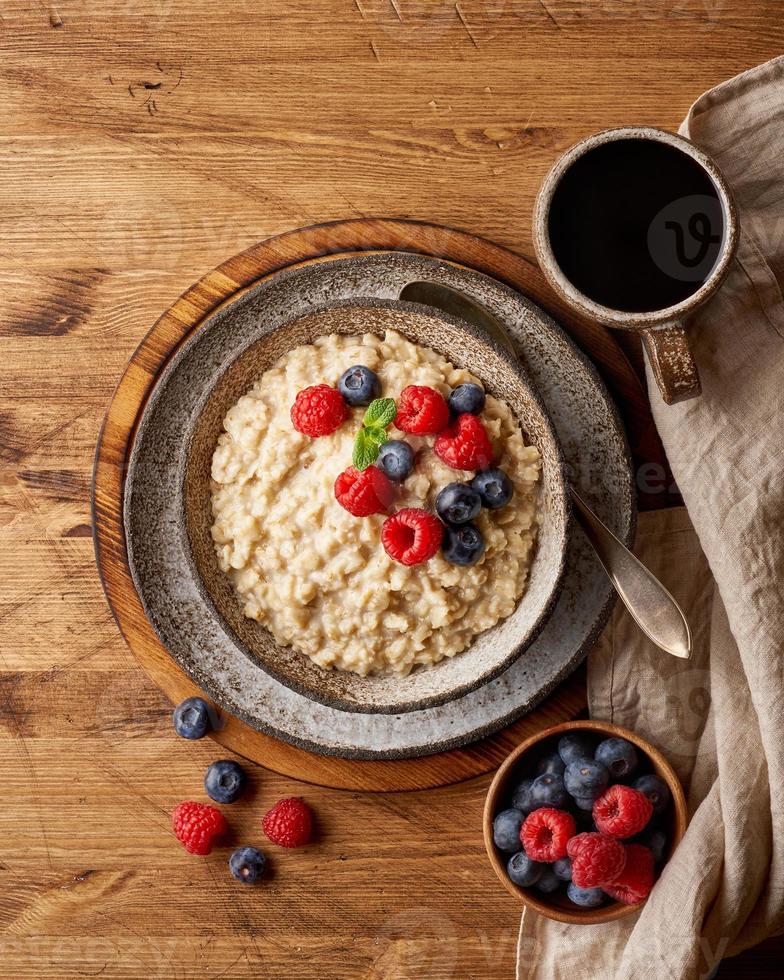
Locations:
(636, 225)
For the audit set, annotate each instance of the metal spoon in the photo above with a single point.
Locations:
(650, 605)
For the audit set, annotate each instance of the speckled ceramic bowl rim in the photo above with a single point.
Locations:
(627, 320)
(536, 626)
(431, 265)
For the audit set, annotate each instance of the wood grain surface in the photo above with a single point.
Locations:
(141, 143)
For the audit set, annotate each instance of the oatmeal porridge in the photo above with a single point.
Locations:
(317, 576)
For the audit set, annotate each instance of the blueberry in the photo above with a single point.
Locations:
(396, 459)
(586, 779)
(657, 791)
(247, 865)
(587, 898)
(618, 755)
(552, 762)
(192, 718)
(549, 790)
(224, 781)
(359, 385)
(586, 803)
(494, 487)
(467, 398)
(575, 746)
(463, 545)
(563, 869)
(521, 798)
(506, 829)
(656, 840)
(458, 503)
(522, 870)
(548, 882)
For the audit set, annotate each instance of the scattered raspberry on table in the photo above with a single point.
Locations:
(197, 825)
(289, 823)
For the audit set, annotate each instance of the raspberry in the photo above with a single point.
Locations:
(289, 823)
(196, 824)
(421, 410)
(597, 860)
(636, 880)
(465, 444)
(545, 834)
(412, 535)
(364, 492)
(622, 811)
(318, 410)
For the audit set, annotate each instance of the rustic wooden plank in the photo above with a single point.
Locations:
(110, 207)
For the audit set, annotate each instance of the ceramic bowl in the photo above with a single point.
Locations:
(520, 762)
(492, 651)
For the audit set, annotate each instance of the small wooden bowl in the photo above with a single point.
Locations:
(498, 794)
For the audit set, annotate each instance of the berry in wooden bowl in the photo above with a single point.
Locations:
(581, 818)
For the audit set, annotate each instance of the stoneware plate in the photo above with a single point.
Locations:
(502, 376)
(597, 459)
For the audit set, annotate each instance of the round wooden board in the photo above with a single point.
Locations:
(223, 284)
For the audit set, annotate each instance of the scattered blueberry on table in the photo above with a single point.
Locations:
(198, 826)
(224, 781)
(247, 865)
(192, 718)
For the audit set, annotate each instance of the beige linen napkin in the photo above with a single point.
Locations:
(720, 716)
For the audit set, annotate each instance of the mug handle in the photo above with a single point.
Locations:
(672, 362)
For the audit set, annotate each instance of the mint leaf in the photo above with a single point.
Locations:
(376, 435)
(371, 437)
(366, 449)
(380, 413)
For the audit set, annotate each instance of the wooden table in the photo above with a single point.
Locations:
(141, 144)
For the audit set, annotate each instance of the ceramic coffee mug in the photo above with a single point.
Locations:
(636, 228)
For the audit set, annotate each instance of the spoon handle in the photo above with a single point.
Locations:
(648, 602)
